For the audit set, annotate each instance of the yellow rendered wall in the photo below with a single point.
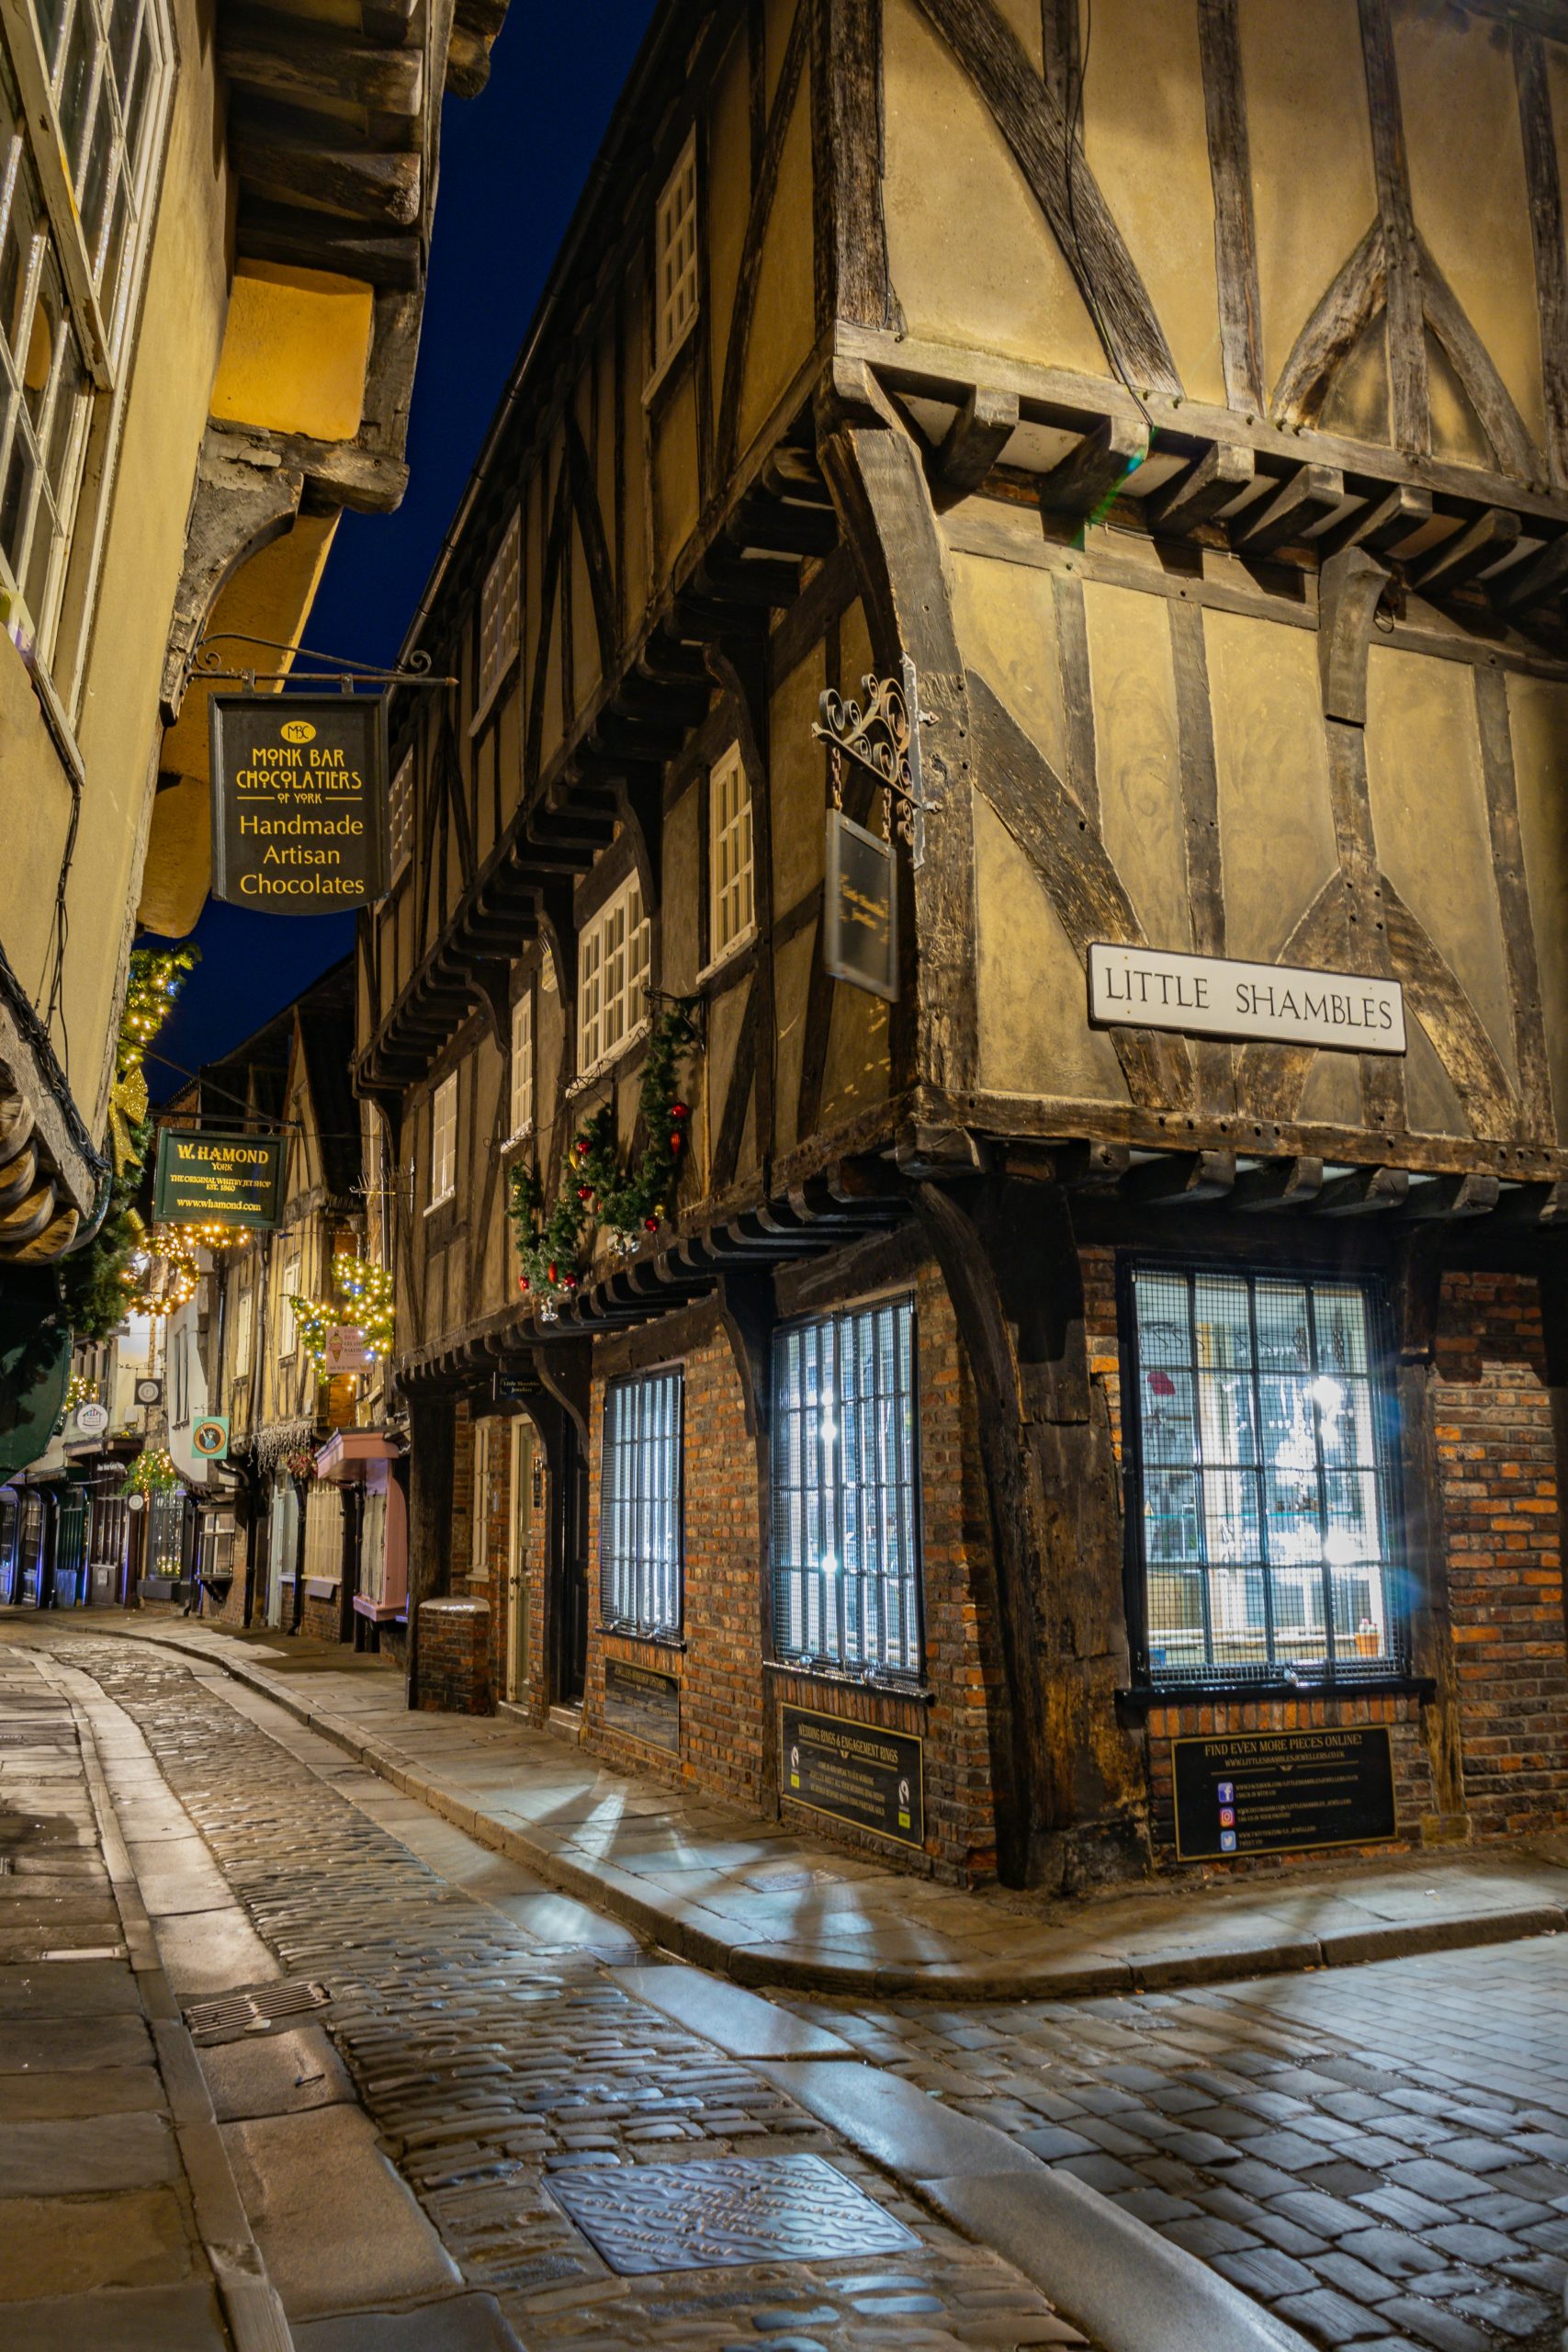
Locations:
(295, 351)
(170, 365)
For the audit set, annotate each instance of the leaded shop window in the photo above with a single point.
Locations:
(640, 1504)
(1260, 1441)
(522, 1064)
(613, 954)
(846, 1558)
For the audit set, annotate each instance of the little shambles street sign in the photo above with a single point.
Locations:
(298, 786)
(1209, 996)
(218, 1180)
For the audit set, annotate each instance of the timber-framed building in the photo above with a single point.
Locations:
(1179, 418)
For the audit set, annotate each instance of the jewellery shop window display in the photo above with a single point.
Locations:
(1261, 1504)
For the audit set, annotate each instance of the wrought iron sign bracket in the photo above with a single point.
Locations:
(883, 738)
(328, 669)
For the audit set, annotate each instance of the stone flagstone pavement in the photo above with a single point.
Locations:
(767, 1906)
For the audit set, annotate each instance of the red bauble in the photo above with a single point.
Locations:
(522, 1281)
(679, 1111)
(650, 1223)
(586, 1191)
(675, 1140)
(552, 1273)
(570, 1282)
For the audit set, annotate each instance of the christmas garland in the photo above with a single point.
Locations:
(80, 1390)
(160, 1281)
(98, 1281)
(596, 1192)
(152, 1473)
(363, 1302)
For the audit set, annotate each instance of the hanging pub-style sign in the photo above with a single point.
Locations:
(299, 790)
(860, 938)
(882, 736)
(217, 1179)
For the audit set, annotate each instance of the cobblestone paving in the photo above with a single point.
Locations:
(1380, 2155)
(489, 2062)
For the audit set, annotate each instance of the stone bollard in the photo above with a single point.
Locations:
(454, 1659)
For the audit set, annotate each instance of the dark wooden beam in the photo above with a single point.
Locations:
(1285, 1184)
(304, 238)
(1230, 172)
(1454, 1197)
(1475, 547)
(975, 441)
(1183, 1181)
(1533, 579)
(1385, 524)
(1408, 395)
(299, 59)
(1216, 482)
(1364, 1192)
(1543, 182)
(1092, 472)
(363, 186)
(1293, 514)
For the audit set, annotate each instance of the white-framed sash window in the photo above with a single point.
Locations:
(611, 976)
(498, 615)
(732, 908)
(675, 258)
(522, 1064)
(443, 1141)
(83, 94)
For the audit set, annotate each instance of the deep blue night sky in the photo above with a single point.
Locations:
(512, 162)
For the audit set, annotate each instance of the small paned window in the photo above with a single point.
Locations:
(399, 818)
(84, 93)
(730, 854)
(675, 258)
(287, 1338)
(640, 1504)
(499, 614)
(243, 1314)
(1260, 1439)
(443, 1141)
(613, 961)
(846, 1567)
(523, 1064)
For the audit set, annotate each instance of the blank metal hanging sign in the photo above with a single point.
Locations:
(298, 787)
(860, 933)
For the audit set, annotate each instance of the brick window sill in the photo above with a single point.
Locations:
(1133, 1705)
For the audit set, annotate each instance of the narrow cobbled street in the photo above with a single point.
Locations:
(1376, 2155)
(1379, 2154)
(583, 2170)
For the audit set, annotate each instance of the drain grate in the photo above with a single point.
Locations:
(257, 2011)
(705, 2215)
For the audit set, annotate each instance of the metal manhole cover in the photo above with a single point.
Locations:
(253, 2012)
(713, 2214)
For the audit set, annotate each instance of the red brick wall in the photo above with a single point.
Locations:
(1503, 1541)
(1413, 1791)
(730, 1699)
(454, 1659)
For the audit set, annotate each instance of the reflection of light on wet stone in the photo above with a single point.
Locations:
(706, 2214)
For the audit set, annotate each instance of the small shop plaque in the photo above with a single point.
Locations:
(860, 934)
(298, 787)
(1287, 1793)
(855, 1772)
(643, 1704)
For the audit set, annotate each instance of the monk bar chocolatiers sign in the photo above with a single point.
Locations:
(218, 1180)
(299, 787)
(1209, 996)
(853, 1773)
(1283, 1794)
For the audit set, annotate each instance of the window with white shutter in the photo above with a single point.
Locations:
(675, 258)
(522, 1064)
(499, 614)
(444, 1142)
(730, 908)
(612, 968)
